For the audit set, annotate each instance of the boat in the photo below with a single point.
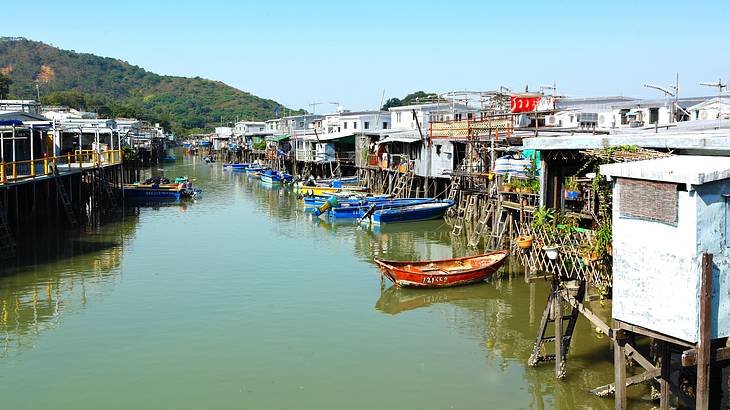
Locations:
(149, 192)
(359, 210)
(237, 166)
(324, 190)
(442, 273)
(433, 209)
(346, 198)
(274, 177)
(161, 188)
(168, 158)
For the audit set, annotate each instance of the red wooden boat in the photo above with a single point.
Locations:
(442, 273)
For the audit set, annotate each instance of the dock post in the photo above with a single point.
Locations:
(619, 369)
(665, 371)
(558, 317)
(703, 347)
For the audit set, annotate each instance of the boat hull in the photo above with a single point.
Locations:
(442, 273)
(323, 190)
(412, 213)
(152, 193)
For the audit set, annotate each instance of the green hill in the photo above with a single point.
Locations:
(116, 88)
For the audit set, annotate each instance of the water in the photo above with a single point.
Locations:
(242, 300)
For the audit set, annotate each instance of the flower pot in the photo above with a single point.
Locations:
(524, 242)
(551, 251)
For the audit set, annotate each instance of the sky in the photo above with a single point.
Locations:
(356, 53)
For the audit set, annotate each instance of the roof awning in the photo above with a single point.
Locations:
(408, 137)
(277, 138)
(332, 136)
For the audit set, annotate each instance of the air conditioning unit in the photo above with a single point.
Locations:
(551, 119)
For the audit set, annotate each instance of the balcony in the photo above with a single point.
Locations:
(471, 128)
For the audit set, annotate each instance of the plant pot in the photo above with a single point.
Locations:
(507, 189)
(524, 242)
(595, 256)
(551, 251)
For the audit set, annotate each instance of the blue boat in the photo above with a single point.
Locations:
(319, 200)
(152, 193)
(274, 177)
(169, 158)
(255, 168)
(343, 211)
(238, 166)
(411, 213)
(203, 143)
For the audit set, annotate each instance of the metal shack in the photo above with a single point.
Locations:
(666, 213)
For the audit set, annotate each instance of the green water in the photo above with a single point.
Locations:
(242, 300)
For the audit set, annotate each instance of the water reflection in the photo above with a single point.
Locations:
(58, 275)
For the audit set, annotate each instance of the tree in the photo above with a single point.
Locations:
(392, 102)
(5, 82)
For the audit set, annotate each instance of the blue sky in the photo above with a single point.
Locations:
(298, 52)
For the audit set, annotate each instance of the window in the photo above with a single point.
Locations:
(301, 124)
(469, 116)
(354, 125)
(385, 125)
(345, 124)
(398, 117)
(457, 117)
(366, 125)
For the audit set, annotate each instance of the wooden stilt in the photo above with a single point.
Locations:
(619, 369)
(703, 347)
(664, 382)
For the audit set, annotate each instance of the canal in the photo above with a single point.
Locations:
(243, 300)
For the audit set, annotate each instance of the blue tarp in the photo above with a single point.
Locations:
(11, 122)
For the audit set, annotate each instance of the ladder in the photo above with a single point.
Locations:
(63, 196)
(499, 223)
(108, 190)
(482, 226)
(550, 315)
(401, 183)
(7, 242)
(454, 187)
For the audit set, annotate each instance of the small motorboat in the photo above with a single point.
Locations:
(442, 273)
(433, 209)
(237, 166)
(359, 210)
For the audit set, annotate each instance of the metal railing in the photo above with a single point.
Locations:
(31, 168)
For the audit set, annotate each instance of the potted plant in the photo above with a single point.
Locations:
(551, 251)
(524, 241)
(572, 190)
(507, 187)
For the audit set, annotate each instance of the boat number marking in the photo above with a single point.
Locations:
(434, 279)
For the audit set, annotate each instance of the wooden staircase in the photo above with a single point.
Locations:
(65, 200)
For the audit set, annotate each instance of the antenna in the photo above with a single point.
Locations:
(314, 106)
(674, 92)
(719, 85)
(662, 89)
